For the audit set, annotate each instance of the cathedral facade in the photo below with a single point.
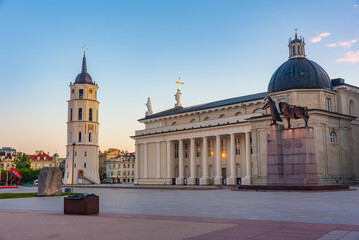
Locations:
(82, 165)
(225, 142)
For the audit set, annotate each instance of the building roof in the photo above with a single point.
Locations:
(42, 156)
(220, 103)
(83, 77)
(299, 73)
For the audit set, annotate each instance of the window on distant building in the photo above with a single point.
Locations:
(90, 114)
(85, 153)
(90, 136)
(329, 104)
(210, 152)
(186, 150)
(238, 147)
(176, 150)
(198, 149)
(80, 137)
(84, 165)
(71, 114)
(81, 93)
(333, 137)
(80, 114)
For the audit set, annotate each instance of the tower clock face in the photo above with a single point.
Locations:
(90, 90)
(72, 91)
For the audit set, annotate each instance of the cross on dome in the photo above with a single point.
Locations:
(179, 84)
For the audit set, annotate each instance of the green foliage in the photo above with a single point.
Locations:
(27, 195)
(22, 160)
(29, 175)
(62, 170)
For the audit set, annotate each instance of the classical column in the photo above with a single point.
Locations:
(169, 163)
(218, 177)
(233, 177)
(247, 178)
(205, 179)
(158, 172)
(145, 163)
(192, 178)
(180, 163)
(137, 158)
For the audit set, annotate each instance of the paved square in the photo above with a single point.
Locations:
(181, 214)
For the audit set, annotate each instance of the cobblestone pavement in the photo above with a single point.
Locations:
(212, 214)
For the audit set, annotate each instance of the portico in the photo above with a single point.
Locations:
(203, 157)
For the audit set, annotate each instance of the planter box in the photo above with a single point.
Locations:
(84, 206)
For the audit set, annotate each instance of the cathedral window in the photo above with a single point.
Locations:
(222, 116)
(176, 150)
(193, 120)
(206, 118)
(71, 114)
(81, 93)
(329, 104)
(90, 136)
(85, 153)
(351, 108)
(80, 114)
(223, 144)
(80, 136)
(84, 165)
(333, 137)
(186, 150)
(90, 114)
(198, 148)
(174, 124)
(293, 50)
(237, 114)
(238, 148)
(210, 152)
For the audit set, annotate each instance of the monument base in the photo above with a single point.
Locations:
(341, 187)
(291, 156)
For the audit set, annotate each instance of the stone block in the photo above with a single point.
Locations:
(50, 182)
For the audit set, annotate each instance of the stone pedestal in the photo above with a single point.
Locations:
(291, 156)
(218, 181)
(192, 181)
(204, 181)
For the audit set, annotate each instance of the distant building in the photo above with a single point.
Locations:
(120, 166)
(7, 160)
(41, 159)
(8, 150)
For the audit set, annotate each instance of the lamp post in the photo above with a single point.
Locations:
(73, 166)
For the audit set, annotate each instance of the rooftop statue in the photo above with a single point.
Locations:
(178, 98)
(273, 110)
(294, 112)
(149, 107)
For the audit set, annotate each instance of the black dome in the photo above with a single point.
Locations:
(299, 73)
(83, 78)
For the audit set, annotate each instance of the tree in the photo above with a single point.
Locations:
(22, 160)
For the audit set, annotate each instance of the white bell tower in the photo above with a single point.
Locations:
(82, 131)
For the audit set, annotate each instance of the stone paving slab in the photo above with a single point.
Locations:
(24, 224)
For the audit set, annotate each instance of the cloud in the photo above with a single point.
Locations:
(355, 5)
(347, 44)
(350, 56)
(319, 37)
(331, 45)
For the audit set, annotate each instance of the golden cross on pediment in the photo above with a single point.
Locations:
(179, 83)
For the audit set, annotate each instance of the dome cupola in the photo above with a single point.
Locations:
(84, 77)
(299, 72)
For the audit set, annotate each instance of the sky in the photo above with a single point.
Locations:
(139, 49)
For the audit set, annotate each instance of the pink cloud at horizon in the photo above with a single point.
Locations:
(347, 44)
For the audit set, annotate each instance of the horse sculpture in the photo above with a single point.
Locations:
(294, 112)
(273, 110)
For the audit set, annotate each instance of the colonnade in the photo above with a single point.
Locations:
(176, 156)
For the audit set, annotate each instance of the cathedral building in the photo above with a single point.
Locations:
(82, 131)
(225, 142)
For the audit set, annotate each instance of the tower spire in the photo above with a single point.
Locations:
(84, 66)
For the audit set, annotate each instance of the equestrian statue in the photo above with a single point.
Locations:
(294, 112)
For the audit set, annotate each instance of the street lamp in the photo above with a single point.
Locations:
(73, 166)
